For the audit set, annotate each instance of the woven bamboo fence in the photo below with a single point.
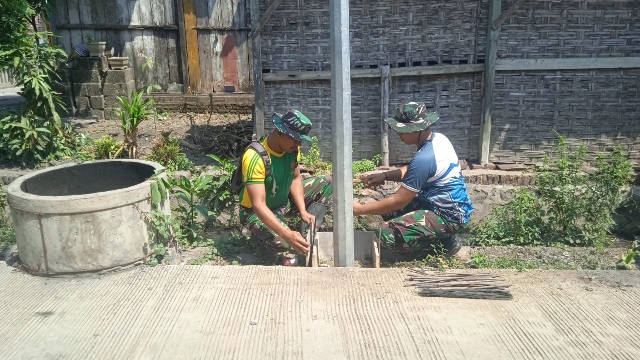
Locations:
(571, 67)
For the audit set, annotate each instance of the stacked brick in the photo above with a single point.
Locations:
(90, 89)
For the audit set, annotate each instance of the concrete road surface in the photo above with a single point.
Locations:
(202, 312)
(9, 98)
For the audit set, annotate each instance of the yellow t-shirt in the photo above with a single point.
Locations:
(283, 166)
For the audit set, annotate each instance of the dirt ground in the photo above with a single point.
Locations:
(220, 134)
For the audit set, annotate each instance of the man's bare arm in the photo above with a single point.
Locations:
(400, 199)
(258, 197)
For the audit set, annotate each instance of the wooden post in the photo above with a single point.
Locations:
(258, 84)
(385, 79)
(489, 80)
(182, 44)
(191, 36)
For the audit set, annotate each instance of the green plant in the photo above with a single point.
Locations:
(136, 110)
(627, 259)
(365, 165)
(107, 147)
(192, 201)
(165, 149)
(569, 207)
(219, 195)
(520, 222)
(312, 160)
(34, 132)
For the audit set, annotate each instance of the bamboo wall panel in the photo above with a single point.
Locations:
(600, 106)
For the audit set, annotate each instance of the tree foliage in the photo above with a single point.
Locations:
(34, 132)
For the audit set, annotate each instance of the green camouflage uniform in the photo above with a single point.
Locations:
(316, 190)
(414, 229)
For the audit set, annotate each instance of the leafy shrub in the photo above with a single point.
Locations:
(312, 160)
(107, 147)
(164, 149)
(570, 206)
(219, 195)
(34, 132)
(364, 165)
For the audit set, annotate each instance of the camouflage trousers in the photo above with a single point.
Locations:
(316, 189)
(414, 228)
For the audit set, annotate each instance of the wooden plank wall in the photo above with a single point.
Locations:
(137, 29)
(225, 52)
(149, 28)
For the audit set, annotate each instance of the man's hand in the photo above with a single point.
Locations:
(307, 217)
(297, 242)
(373, 180)
(357, 208)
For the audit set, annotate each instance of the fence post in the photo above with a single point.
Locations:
(489, 80)
(258, 83)
(385, 78)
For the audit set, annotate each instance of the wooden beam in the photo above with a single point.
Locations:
(115, 27)
(223, 28)
(489, 81)
(385, 81)
(191, 35)
(505, 15)
(437, 70)
(264, 18)
(182, 44)
(258, 83)
(568, 64)
(374, 73)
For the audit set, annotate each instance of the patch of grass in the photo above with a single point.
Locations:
(481, 261)
(438, 262)
(225, 249)
(521, 259)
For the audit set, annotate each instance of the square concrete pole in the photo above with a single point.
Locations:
(341, 128)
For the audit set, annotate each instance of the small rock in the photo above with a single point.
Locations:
(253, 322)
(184, 173)
(464, 165)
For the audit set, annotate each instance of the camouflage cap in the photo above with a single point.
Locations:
(293, 123)
(411, 117)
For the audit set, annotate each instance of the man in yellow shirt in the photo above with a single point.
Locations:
(265, 200)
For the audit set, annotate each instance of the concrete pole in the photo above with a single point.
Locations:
(341, 127)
